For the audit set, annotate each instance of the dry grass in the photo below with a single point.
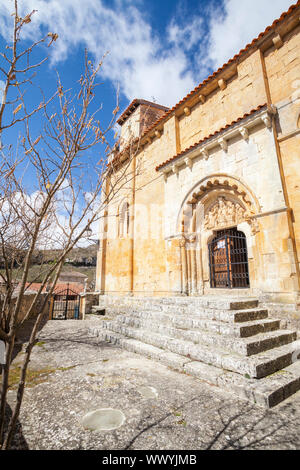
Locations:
(33, 376)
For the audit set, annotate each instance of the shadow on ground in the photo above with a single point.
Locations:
(18, 441)
(248, 428)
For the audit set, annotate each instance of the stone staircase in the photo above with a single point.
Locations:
(230, 343)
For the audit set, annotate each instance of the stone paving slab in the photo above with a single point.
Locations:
(183, 413)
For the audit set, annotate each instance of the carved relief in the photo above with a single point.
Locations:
(182, 242)
(233, 204)
(224, 213)
(192, 238)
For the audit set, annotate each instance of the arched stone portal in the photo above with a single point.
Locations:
(218, 205)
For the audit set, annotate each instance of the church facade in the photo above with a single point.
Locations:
(211, 199)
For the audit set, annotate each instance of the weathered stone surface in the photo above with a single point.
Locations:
(266, 392)
(213, 347)
(213, 335)
(188, 413)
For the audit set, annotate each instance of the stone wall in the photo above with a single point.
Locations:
(24, 333)
(87, 300)
(26, 302)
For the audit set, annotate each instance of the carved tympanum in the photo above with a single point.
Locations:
(224, 213)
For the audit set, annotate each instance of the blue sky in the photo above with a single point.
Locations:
(158, 49)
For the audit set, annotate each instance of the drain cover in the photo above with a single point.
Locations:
(148, 392)
(105, 419)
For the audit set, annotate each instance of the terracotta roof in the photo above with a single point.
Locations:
(259, 108)
(134, 104)
(33, 286)
(73, 286)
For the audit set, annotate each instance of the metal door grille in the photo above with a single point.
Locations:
(228, 260)
(65, 305)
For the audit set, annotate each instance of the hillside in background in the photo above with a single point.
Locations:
(81, 260)
(78, 256)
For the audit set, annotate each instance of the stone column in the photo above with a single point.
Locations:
(188, 260)
(193, 260)
(174, 269)
(199, 267)
(184, 267)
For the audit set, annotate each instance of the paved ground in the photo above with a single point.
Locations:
(80, 375)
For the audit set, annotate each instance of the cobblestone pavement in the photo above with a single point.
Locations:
(184, 413)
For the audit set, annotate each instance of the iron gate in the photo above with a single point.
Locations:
(228, 260)
(65, 305)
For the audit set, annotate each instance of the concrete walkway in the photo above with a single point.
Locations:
(71, 374)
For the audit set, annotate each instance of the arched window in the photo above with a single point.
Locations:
(124, 220)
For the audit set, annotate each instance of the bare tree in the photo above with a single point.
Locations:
(71, 187)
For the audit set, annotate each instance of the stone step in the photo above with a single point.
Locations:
(228, 346)
(98, 309)
(190, 309)
(179, 303)
(244, 346)
(222, 303)
(227, 316)
(266, 392)
(231, 304)
(238, 330)
(257, 366)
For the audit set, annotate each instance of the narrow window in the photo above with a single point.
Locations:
(124, 220)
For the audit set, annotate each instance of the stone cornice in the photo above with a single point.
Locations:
(220, 140)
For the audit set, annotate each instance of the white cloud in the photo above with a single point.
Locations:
(19, 215)
(188, 35)
(142, 63)
(136, 59)
(240, 23)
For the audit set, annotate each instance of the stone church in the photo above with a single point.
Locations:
(211, 204)
(219, 183)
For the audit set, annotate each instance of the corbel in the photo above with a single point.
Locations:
(189, 162)
(175, 169)
(277, 41)
(222, 84)
(223, 144)
(267, 121)
(205, 154)
(244, 132)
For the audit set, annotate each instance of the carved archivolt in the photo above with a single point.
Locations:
(225, 213)
(226, 202)
(222, 183)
